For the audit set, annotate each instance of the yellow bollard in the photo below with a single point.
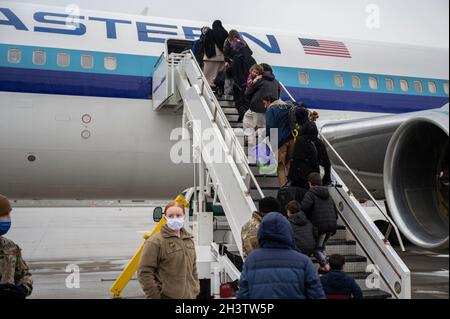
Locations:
(132, 266)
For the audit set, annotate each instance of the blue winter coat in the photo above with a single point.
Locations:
(276, 270)
(339, 285)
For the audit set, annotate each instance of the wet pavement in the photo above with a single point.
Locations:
(57, 242)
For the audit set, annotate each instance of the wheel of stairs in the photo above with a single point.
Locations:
(342, 243)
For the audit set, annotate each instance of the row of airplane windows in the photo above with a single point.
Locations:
(374, 83)
(62, 59)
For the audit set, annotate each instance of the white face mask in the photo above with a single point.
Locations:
(175, 223)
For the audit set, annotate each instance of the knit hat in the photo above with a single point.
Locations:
(5, 206)
(269, 205)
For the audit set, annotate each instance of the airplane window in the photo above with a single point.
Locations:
(110, 63)
(418, 86)
(63, 59)
(304, 77)
(404, 85)
(14, 56)
(87, 61)
(373, 83)
(356, 82)
(432, 87)
(446, 88)
(339, 80)
(390, 84)
(39, 57)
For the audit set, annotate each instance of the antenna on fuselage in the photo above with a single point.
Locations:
(145, 11)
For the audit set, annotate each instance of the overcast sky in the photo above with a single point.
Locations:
(417, 22)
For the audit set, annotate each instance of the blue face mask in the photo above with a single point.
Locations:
(4, 227)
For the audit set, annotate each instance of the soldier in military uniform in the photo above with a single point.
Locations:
(249, 232)
(15, 278)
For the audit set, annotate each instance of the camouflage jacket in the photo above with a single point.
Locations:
(249, 234)
(13, 269)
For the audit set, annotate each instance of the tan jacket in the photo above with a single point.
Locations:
(13, 269)
(168, 268)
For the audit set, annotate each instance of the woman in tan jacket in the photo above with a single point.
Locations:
(168, 267)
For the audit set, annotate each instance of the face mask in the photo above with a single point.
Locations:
(4, 227)
(175, 223)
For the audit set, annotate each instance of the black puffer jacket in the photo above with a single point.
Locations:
(267, 86)
(320, 209)
(305, 159)
(305, 233)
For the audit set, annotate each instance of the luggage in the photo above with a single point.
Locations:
(288, 194)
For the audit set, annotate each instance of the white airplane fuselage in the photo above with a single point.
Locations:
(76, 116)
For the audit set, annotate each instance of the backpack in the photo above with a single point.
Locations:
(298, 115)
(289, 193)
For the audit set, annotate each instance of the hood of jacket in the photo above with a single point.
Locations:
(309, 129)
(321, 192)
(276, 232)
(299, 219)
(268, 76)
(279, 103)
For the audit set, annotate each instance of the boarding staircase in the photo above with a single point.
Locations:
(229, 186)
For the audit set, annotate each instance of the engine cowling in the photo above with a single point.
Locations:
(416, 179)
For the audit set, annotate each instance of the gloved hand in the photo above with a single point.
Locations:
(13, 292)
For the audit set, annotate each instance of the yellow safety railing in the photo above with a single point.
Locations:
(132, 266)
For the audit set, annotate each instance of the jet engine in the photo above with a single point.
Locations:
(416, 179)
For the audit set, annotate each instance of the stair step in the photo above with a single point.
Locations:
(233, 118)
(341, 247)
(376, 294)
(227, 104)
(226, 98)
(268, 192)
(267, 181)
(353, 263)
(230, 111)
(237, 125)
(341, 234)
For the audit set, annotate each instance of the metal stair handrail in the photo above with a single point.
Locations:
(392, 270)
(219, 117)
(392, 224)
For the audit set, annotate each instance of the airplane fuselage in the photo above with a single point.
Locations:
(76, 118)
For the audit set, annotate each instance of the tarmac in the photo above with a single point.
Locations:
(99, 241)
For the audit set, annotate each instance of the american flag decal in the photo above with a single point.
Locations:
(326, 48)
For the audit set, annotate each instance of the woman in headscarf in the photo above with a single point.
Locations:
(214, 58)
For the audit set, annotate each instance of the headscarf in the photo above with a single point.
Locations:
(215, 37)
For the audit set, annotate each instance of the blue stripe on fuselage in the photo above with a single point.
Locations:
(351, 101)
(75, 83)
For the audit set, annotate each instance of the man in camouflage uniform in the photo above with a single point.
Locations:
(249, 232)
(15, 278)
